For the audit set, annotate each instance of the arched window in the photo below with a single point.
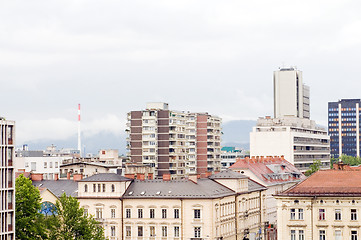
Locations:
(86, 188)
(113, 188)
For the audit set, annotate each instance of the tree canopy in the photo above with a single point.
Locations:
(314, 167)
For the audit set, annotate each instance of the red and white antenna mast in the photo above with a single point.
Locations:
(79, 133)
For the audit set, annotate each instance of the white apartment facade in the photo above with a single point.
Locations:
(7, 180)
(48, 166)
(176, 143)
(300, 141)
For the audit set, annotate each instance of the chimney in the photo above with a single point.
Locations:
(129, 175)
(208, 174)
(193, 177)
(68, 175)
(77, 176)
(56, 176)
(166, 177)
(36, 176)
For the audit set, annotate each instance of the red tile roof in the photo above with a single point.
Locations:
(265, 166)
(328, 183)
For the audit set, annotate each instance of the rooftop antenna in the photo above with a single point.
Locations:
(79, 133)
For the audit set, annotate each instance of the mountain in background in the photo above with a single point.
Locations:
(235, 134)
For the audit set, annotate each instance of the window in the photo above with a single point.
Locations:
(140, 231)
(99, 187)
(338, 235)
(86, 188)
(300, 214)
(45, 164)
(353, 235)
(94, 187)
(338, 214)
(197, 232)
(128, 231)
(140, 213)
(164, 213)
(293, 234)
(33, 166)
(152, 231)
(322, 235)
(50, 164)
(176, 231)
(103, 187)
(353, 214)
(112, 213)
(85, 211)
(151, 213)
(293, 214)
(197, 213)
(128, 213)
(112, 231)
(164, 231)
(113, 188)
(26, 164)
(176, 213)
(301, 235)
(99, 213)
(321, 214)
(56, 164)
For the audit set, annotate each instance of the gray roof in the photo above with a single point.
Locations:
(227, 174)
(255, 186)
(70, 187)
(184, 188)
(106, 177)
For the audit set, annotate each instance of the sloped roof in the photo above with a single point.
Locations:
(265, 169)
(184, 188)
(227, 174)
(70, 187)
(328, 183)
(106, 177)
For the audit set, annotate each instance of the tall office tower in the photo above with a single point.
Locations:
(7, 180)
(176, 143)
(344, 127)
(291, 96)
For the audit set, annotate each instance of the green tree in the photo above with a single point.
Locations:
(70, 222)
(28, 220)
(313, 168)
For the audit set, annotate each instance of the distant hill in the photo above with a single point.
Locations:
(235, 134)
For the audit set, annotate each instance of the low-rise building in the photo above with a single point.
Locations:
(276, 174)
(327, 205)
(87, 169)
(218, 207)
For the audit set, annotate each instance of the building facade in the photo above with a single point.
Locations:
(226, 205)
(324, 206)
(291, 96)
(176, 143)
(276, 174)
(7, 180)
(300, 141)
(344, 127)
(229, 156)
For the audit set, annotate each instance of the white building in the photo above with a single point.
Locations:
(291, 96)
(229, 156)
(7, 180)
(48, 166)
(299, 140)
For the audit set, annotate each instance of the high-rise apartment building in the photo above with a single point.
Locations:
(291, 96)
(176, 143)
(7, 180)
(344, 127)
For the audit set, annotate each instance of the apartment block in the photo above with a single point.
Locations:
(291, 96)
(7, 180)
(174, 142)
(344, 127)
(299, 140)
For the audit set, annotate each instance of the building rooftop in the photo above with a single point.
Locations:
(227, 174)
(269, 170)
(328, 183)
(106, 177)
(58, 187)
(204, 188)
(98, 164)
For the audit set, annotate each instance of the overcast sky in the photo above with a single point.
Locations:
(214, 56)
